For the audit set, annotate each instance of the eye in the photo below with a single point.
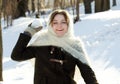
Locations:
(64, 22)
(54, 23)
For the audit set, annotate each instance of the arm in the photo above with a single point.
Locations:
(87, 73)
(21, 51)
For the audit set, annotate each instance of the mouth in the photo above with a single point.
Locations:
(60, 30)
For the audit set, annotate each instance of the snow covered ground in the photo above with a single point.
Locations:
(100, 33)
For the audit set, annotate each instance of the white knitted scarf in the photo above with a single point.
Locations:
(68, 42)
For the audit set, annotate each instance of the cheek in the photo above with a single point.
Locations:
(54, 28)
(66, 29)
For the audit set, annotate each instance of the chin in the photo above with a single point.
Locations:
(59, 35)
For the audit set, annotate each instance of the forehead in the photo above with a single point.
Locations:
(59, 17)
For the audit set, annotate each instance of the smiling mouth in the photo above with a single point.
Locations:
(60, 30)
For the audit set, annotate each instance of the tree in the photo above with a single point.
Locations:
(114, 3)
(33, 5)
(97, 5)
(1, 50)
(62, 4)
(77, 18)
(72, 2)
(106, 5)
(102, 5)
(87, 6)
(7, 12)
(56, 4)
(22, 7)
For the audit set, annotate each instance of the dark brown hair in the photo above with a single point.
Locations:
(59, 11)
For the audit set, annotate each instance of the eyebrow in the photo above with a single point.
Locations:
(57, 20)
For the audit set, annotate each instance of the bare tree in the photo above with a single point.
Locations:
(72, 2)
(114, 3)
(105, 5)
(14, 8)
(48, 4)
(87, 6)
(42, 3)
(77, 18)
(56, 4)
(33, 5)
(102, 5)
(97, 5)
(7, 7)
(62, 4)
(20, 8)
(1, 49)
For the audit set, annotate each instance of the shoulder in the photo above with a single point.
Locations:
(77, 42)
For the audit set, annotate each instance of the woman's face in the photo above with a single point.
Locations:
(59, 25)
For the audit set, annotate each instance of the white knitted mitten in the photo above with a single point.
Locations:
(34, 27)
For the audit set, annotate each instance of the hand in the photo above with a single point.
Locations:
(34, 27)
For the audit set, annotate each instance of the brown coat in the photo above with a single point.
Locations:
(53, 65)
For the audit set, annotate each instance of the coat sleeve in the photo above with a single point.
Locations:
(21, 52)
(87, 73)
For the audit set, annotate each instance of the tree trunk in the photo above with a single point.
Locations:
(98, 5)
(77, 18)
(14, 10)
(114, 3)
(1, 49)
(87, 6)
(73, 7)
(33, 6)
(48, 4)
(7, 12)
(102, 5)
(22, 7)
(106, 5)
(62, 4)
(56, 4)
(42, 4)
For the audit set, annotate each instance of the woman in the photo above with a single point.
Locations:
(56, 51)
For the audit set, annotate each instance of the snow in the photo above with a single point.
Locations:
(100, 33)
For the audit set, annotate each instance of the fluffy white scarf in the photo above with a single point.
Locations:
(68, 42)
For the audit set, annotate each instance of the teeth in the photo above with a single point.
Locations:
(60, 30)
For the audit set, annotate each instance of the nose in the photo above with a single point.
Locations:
(59, 25)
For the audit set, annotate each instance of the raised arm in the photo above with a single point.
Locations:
(21, 51)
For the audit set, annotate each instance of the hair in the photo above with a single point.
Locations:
(61, 12)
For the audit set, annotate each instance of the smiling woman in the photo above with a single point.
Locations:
(56, 51)
(59, 25)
